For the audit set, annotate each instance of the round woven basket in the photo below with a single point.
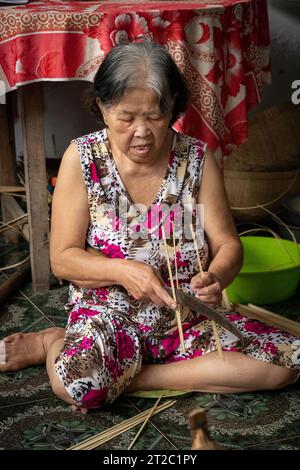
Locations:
(273, 141)
(249, 188)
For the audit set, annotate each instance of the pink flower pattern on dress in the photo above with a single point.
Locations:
(86, 343)
(102, 294)
(125, 345)
(111, 250)
(94, 398)
(78, 313)
(257, 327)
(270, 347)
(94, 174)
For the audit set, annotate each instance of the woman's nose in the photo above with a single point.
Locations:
(141, 131)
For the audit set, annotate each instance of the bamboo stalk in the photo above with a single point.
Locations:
(145, 422)
(271, 318)
(213, 323)
(118, 429)
(177, 311)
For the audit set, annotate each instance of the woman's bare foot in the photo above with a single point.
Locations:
(28, 349)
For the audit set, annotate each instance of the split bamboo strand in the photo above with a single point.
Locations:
(15, 189)
(177, 311)
(213, 323)
(145, 422)
(175, 258)
(225, 300)
(118, 429)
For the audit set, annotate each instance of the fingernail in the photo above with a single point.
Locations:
(173, 306)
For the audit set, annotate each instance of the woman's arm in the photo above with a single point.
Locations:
(69, 224)
(225, 246)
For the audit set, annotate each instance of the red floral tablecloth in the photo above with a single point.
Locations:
(222, 47)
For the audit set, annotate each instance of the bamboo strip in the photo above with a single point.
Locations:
(13, 224)
(118, 429)
(145, 422)
(271, 318)
(153, 425)
(9, 189)
(225, 300)
(6, 268)
(213, 323)
(177, 311)
(175, 258)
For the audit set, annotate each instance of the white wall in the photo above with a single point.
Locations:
(66, 119)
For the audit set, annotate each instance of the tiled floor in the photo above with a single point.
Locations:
(31, 417)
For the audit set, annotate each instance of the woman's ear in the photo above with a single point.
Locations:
(102, 109)
(99, 104)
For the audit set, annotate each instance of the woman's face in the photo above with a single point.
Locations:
(136, 126)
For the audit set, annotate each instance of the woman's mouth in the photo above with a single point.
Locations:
(142, 149)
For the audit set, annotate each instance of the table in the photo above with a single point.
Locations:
(222, 48)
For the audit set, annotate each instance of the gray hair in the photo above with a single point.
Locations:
(141, 64)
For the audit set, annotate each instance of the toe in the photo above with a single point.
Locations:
(11, 338)
(81, 409)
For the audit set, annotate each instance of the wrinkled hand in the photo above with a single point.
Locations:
(144, 282)
(207, 288)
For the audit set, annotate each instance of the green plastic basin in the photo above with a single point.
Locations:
(270, 272)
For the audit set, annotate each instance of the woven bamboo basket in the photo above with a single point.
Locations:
(273, 141)
(248, 188)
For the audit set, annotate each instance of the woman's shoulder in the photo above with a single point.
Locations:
(92, 138)
(191, 145)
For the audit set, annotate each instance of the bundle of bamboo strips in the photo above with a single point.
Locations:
(118, 429)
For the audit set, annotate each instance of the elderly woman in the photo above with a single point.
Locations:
(111, 201)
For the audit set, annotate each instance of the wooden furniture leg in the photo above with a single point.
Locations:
(31, 109)
(8, 169)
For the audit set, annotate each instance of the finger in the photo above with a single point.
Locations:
(205, 279)
(11, 338)
(210, 299)
(165, 296)
(157, 301)
(208, 290)
(197, 281)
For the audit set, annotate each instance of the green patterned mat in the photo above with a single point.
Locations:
(158, 393)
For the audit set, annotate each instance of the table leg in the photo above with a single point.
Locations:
(8, 169)
(31, 109)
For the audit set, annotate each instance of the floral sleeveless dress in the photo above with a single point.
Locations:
(108, 336)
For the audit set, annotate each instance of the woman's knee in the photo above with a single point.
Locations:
(284, 377)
